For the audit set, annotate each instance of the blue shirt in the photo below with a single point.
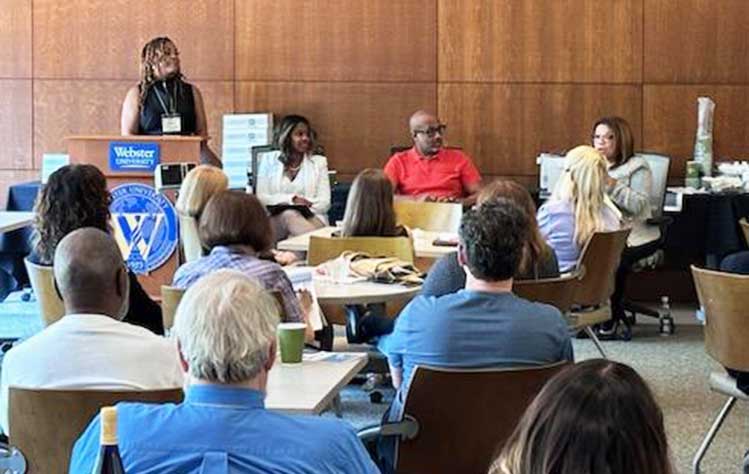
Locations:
(269, 274)
(556, 221)
(475, 329)
(224, 430)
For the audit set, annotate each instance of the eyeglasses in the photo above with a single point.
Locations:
(432, 131)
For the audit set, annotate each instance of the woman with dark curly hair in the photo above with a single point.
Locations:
(76, 196)
(163, 103)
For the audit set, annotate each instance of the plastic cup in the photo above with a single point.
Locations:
(338, 270)
(291, 340)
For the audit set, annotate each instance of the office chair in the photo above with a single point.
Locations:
(659, 167)
(45, 423)
(452, 420)
(42, 280)
(430, 216)
(12, 459)
(723, 296)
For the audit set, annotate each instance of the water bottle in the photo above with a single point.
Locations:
(665, 319)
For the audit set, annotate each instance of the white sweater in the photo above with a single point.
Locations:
(631, 194)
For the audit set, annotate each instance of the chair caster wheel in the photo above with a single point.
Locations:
(26, 297)
(375, 397)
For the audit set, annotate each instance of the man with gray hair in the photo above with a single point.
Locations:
(226, 330)
(89, 347)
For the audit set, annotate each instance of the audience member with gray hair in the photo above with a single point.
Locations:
(90, 347)
(226, 331)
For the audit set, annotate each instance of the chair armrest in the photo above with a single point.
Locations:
(406, 429)
(11, 459)
(369, 434)
(662, 221)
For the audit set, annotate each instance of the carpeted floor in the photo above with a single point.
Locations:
(676, 368)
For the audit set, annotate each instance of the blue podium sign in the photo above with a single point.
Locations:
(133, 156)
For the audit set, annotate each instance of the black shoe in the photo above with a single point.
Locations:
(606, 331)
(618, 331)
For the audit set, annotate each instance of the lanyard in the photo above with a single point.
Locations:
(172, 100)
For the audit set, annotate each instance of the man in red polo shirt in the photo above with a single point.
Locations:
(430, 171)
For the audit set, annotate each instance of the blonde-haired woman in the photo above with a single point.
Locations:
(200, 184)
(578, 206)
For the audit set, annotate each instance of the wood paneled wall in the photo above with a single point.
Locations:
(511, 78)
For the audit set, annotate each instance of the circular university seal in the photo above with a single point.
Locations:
(145, 226)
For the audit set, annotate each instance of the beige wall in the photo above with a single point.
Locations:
(511, 78)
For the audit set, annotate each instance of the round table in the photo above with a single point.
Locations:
(361, 293)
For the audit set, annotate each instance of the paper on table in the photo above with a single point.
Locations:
(301, 279)
(345, 280)
(328, 356)
(299, 274)
(316, 317)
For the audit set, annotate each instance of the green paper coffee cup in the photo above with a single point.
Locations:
(291, 340)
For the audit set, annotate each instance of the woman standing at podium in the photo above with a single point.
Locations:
(163, 103)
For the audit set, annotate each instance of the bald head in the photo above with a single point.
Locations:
(421, 119)
(426, 132)
(90, 273)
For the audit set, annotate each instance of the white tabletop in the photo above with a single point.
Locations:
(423, 242)
(13, 220)
(363, 292)
(310, 387)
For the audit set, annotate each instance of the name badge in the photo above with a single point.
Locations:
(171, 123)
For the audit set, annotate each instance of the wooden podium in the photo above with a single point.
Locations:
(94, 150)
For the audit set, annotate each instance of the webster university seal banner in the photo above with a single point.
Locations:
(144, 224)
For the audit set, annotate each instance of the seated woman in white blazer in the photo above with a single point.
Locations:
(294, 175)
